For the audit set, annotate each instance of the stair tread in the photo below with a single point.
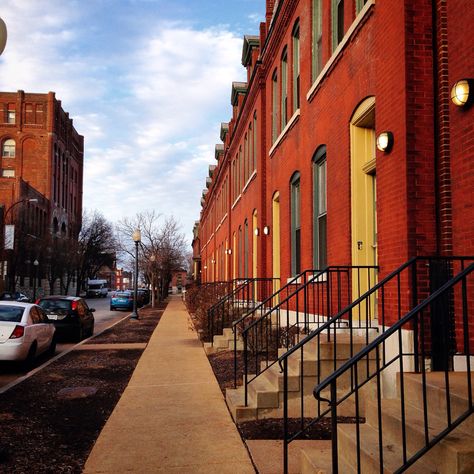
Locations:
(392, 453)
(436, 380)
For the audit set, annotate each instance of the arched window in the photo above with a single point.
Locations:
(337, 22)
(296, 66)
(319, 209)
(317, 39)
(295, 196)
(274, 106)
(8, 148)
(246, 249)
(284, 89)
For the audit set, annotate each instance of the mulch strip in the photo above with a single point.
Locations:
(222, 364)
(50, 421)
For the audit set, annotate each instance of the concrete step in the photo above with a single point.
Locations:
(275, 377)
(228, 334)
(369, 452)
(455, 453)
(235, 399)
(263, 393)
(436, 394)
(316, 461)
(209, 348)
(221, 342)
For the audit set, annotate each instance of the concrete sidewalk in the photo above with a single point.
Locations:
(172, 416)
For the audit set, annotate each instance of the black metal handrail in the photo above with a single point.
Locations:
(260, 309)
(306, 306)
(244, 296)
(392, 297)
(422, 317)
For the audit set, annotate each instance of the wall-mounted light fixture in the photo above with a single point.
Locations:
(228, 251)
(385, 142)
(213, 261)
(266, 230)
(462, 93)
(256, 231)
(205, 267)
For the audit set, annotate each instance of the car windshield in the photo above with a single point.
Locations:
(55, 305)
(95, 286)
(11, 313)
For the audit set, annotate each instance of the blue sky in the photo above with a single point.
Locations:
(147, 82)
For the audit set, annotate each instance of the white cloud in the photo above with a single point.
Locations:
(150, 115)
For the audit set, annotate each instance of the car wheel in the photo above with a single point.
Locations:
(112, 308)
(30, 358)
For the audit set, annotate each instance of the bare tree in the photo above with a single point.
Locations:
(97, 246)
(162, 248)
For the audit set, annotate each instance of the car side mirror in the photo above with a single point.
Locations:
(92, 310)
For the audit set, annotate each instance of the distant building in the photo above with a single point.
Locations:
(178, 281)
(41, 172)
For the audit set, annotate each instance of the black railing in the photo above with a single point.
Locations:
(243, 297)
(306, 306)
(376, 309)
(278, 293)
(456, 298)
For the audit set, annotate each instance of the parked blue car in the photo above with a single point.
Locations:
(121, 300)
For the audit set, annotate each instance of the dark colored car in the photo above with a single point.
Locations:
(14, 296)
(71, 315)
(144, 295)
(121, 300)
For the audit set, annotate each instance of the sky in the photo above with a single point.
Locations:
(146, 82)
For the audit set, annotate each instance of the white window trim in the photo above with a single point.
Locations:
(236, 201)
(247, 184)
(347, 37)
(289, 125)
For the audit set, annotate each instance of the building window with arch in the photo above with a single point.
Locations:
(337, 22)
(284, 89)
(254, 146)
(8, 148)
(274, 106)
(295, 196)
(317, 39)
(296, 66)
(246, 249)
(320, 208)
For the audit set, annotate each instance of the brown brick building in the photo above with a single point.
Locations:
(41, 172)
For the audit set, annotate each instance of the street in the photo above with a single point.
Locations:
(104, 318)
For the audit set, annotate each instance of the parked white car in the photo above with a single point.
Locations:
(25, 332)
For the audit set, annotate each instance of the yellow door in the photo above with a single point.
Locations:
(363, 201)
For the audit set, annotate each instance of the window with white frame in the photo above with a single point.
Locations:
(8, 148)
(8, 173)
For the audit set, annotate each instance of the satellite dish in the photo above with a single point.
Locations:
(3, 35)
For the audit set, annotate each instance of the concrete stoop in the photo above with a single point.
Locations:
(305, 370)
(224, 342)
(454, 454)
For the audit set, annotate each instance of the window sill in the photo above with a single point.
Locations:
(236, 201)
(247, 184)
(282, 135)
(335, 56)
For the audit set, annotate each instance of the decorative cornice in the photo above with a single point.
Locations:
(219, 151)
(224, 130)
(237, 88)
(250, 42)
(212, 168)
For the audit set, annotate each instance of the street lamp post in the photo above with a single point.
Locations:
(10, 245)
(35, 278)
(137, 237)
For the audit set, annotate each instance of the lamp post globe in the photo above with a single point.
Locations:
(3, 35)
(35, 278)
(137, 237)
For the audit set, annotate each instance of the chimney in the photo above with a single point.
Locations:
(269, 14)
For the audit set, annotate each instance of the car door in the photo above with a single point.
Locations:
(87, 314)
(40, 329)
